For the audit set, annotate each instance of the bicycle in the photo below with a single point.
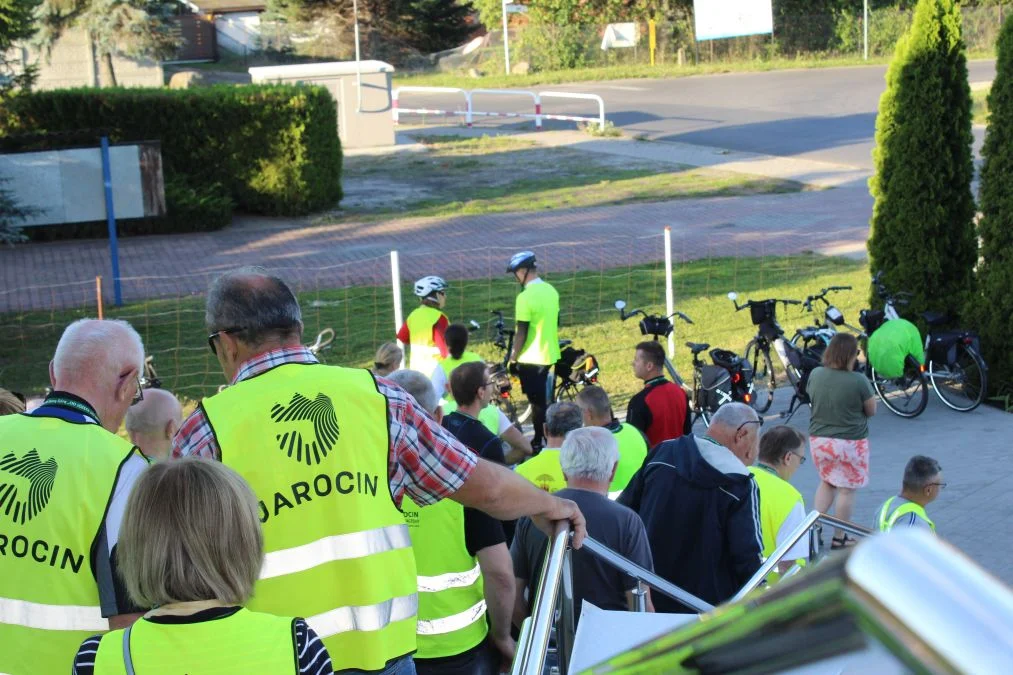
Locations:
(499, 372)
(954, 366)
(763, 314)
(727, 379)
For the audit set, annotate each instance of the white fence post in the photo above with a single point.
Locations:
(395, 282)
(669, 294)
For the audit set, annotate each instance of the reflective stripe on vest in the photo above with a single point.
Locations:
(454, 622)
(243, 642)
(451, 590)
(886, 524)
(51, 617)
(313, 443)
(443, 582)
(57, 478)
(338, 547)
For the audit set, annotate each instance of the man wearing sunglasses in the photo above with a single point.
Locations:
(701, 507)
(331, 453)
(64, 480)
(923, 480)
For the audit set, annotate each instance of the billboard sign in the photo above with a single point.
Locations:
(717, 19)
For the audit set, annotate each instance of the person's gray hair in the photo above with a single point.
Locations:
(590, 453)
(596, 400)
(91, 349)
(562, 418)
(733, 415)
(419, 386)
(191, 531)
(255, 304)
(919, 472)
(158, 408)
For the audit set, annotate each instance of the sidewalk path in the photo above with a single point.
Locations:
(62, 274)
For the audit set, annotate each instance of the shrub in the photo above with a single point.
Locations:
(266, 149)
(922, 222)
(991, 311)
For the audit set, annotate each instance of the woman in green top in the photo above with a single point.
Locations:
(842, 403)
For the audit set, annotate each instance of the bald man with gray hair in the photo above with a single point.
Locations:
(701, 507)
(152, 422)
(67, 476)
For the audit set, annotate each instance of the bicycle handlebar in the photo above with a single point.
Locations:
(822, 295)
(750, 303)
(623, 315)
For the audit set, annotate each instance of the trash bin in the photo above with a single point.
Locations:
(364, 112)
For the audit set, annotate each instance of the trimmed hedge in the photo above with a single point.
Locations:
(270, 149)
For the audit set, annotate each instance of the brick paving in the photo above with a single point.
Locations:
(54, 275)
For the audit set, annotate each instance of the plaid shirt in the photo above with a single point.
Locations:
(424, 461)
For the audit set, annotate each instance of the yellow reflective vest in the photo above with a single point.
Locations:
(448, 364)
(56, 481)
(886, 522)
(451, 599)
(632, 451)
(245, 642)
(544, 470)
(777, 498)
(313, 441)
(424, 354)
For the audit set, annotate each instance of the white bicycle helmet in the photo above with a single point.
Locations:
(521, 260)
(426, 286)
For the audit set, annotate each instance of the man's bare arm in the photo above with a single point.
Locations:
(498, 576)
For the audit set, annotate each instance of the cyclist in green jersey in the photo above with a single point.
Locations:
(536, 343)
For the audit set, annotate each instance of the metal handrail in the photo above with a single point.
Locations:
(650, 578)
(531, 654)
(803, 528)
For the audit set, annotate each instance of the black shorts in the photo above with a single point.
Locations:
(534, 382)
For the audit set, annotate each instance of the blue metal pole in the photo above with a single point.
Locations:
(114, 250)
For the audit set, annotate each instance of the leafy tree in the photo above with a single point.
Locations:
(134, 28)
(923, 235)
(11, 215)
(991, 311)
(16, 24)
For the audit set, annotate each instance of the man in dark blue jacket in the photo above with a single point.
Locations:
(701, 508)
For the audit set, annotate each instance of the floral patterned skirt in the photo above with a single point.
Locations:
(840, 462)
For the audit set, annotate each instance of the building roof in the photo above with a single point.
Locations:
(226, 6)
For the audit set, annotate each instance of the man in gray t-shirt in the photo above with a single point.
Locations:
(588, 458)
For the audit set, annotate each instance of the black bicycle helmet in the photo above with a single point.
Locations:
(522, 260)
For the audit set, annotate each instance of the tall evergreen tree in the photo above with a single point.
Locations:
(17, 23)
(991, 311)
(923, 235)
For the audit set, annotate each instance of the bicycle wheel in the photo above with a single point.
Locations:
(565, 391)
(763, 377)
(507, 406)
(962, 384)
(906, 395)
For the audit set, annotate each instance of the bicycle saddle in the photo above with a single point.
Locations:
(934, 318)
(565, 343)
(697, 347)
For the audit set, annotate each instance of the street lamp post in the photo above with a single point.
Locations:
(506, 37)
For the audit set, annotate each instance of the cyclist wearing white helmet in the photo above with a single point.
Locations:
(536, 343)
(424, 328)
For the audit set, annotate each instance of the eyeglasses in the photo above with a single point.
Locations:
(941, 485)
(211, 338)
(757, 422)
(801, 458)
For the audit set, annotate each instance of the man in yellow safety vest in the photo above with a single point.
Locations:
(466, 581)
(544, 469)
(594, 403)
(330, 453)
(923, 480)
(64, 480)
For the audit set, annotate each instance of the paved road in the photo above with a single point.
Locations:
(824, 114)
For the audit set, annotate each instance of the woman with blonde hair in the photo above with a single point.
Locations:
(388, 359)
(191, 548)
(842, 403)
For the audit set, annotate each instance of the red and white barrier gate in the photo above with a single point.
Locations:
(470, 113)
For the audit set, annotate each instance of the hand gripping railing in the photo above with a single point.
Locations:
(556, 576)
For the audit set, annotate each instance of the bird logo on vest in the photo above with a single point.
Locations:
(320, 412)
(25, 485)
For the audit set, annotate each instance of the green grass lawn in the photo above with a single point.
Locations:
(362, 317)
(456, 176)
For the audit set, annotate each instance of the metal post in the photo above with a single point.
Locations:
(506, 38)
(865, 28)
(98, 296)
(395, 282)
(566, 628)
(640, 596)
(358, 66)
(114, 250)
(669, 294)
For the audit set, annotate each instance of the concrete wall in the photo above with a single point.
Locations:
(71, 63)
(238, 32)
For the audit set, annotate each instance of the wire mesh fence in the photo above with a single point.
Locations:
(355, 299)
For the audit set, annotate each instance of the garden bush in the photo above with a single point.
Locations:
(269, 149)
